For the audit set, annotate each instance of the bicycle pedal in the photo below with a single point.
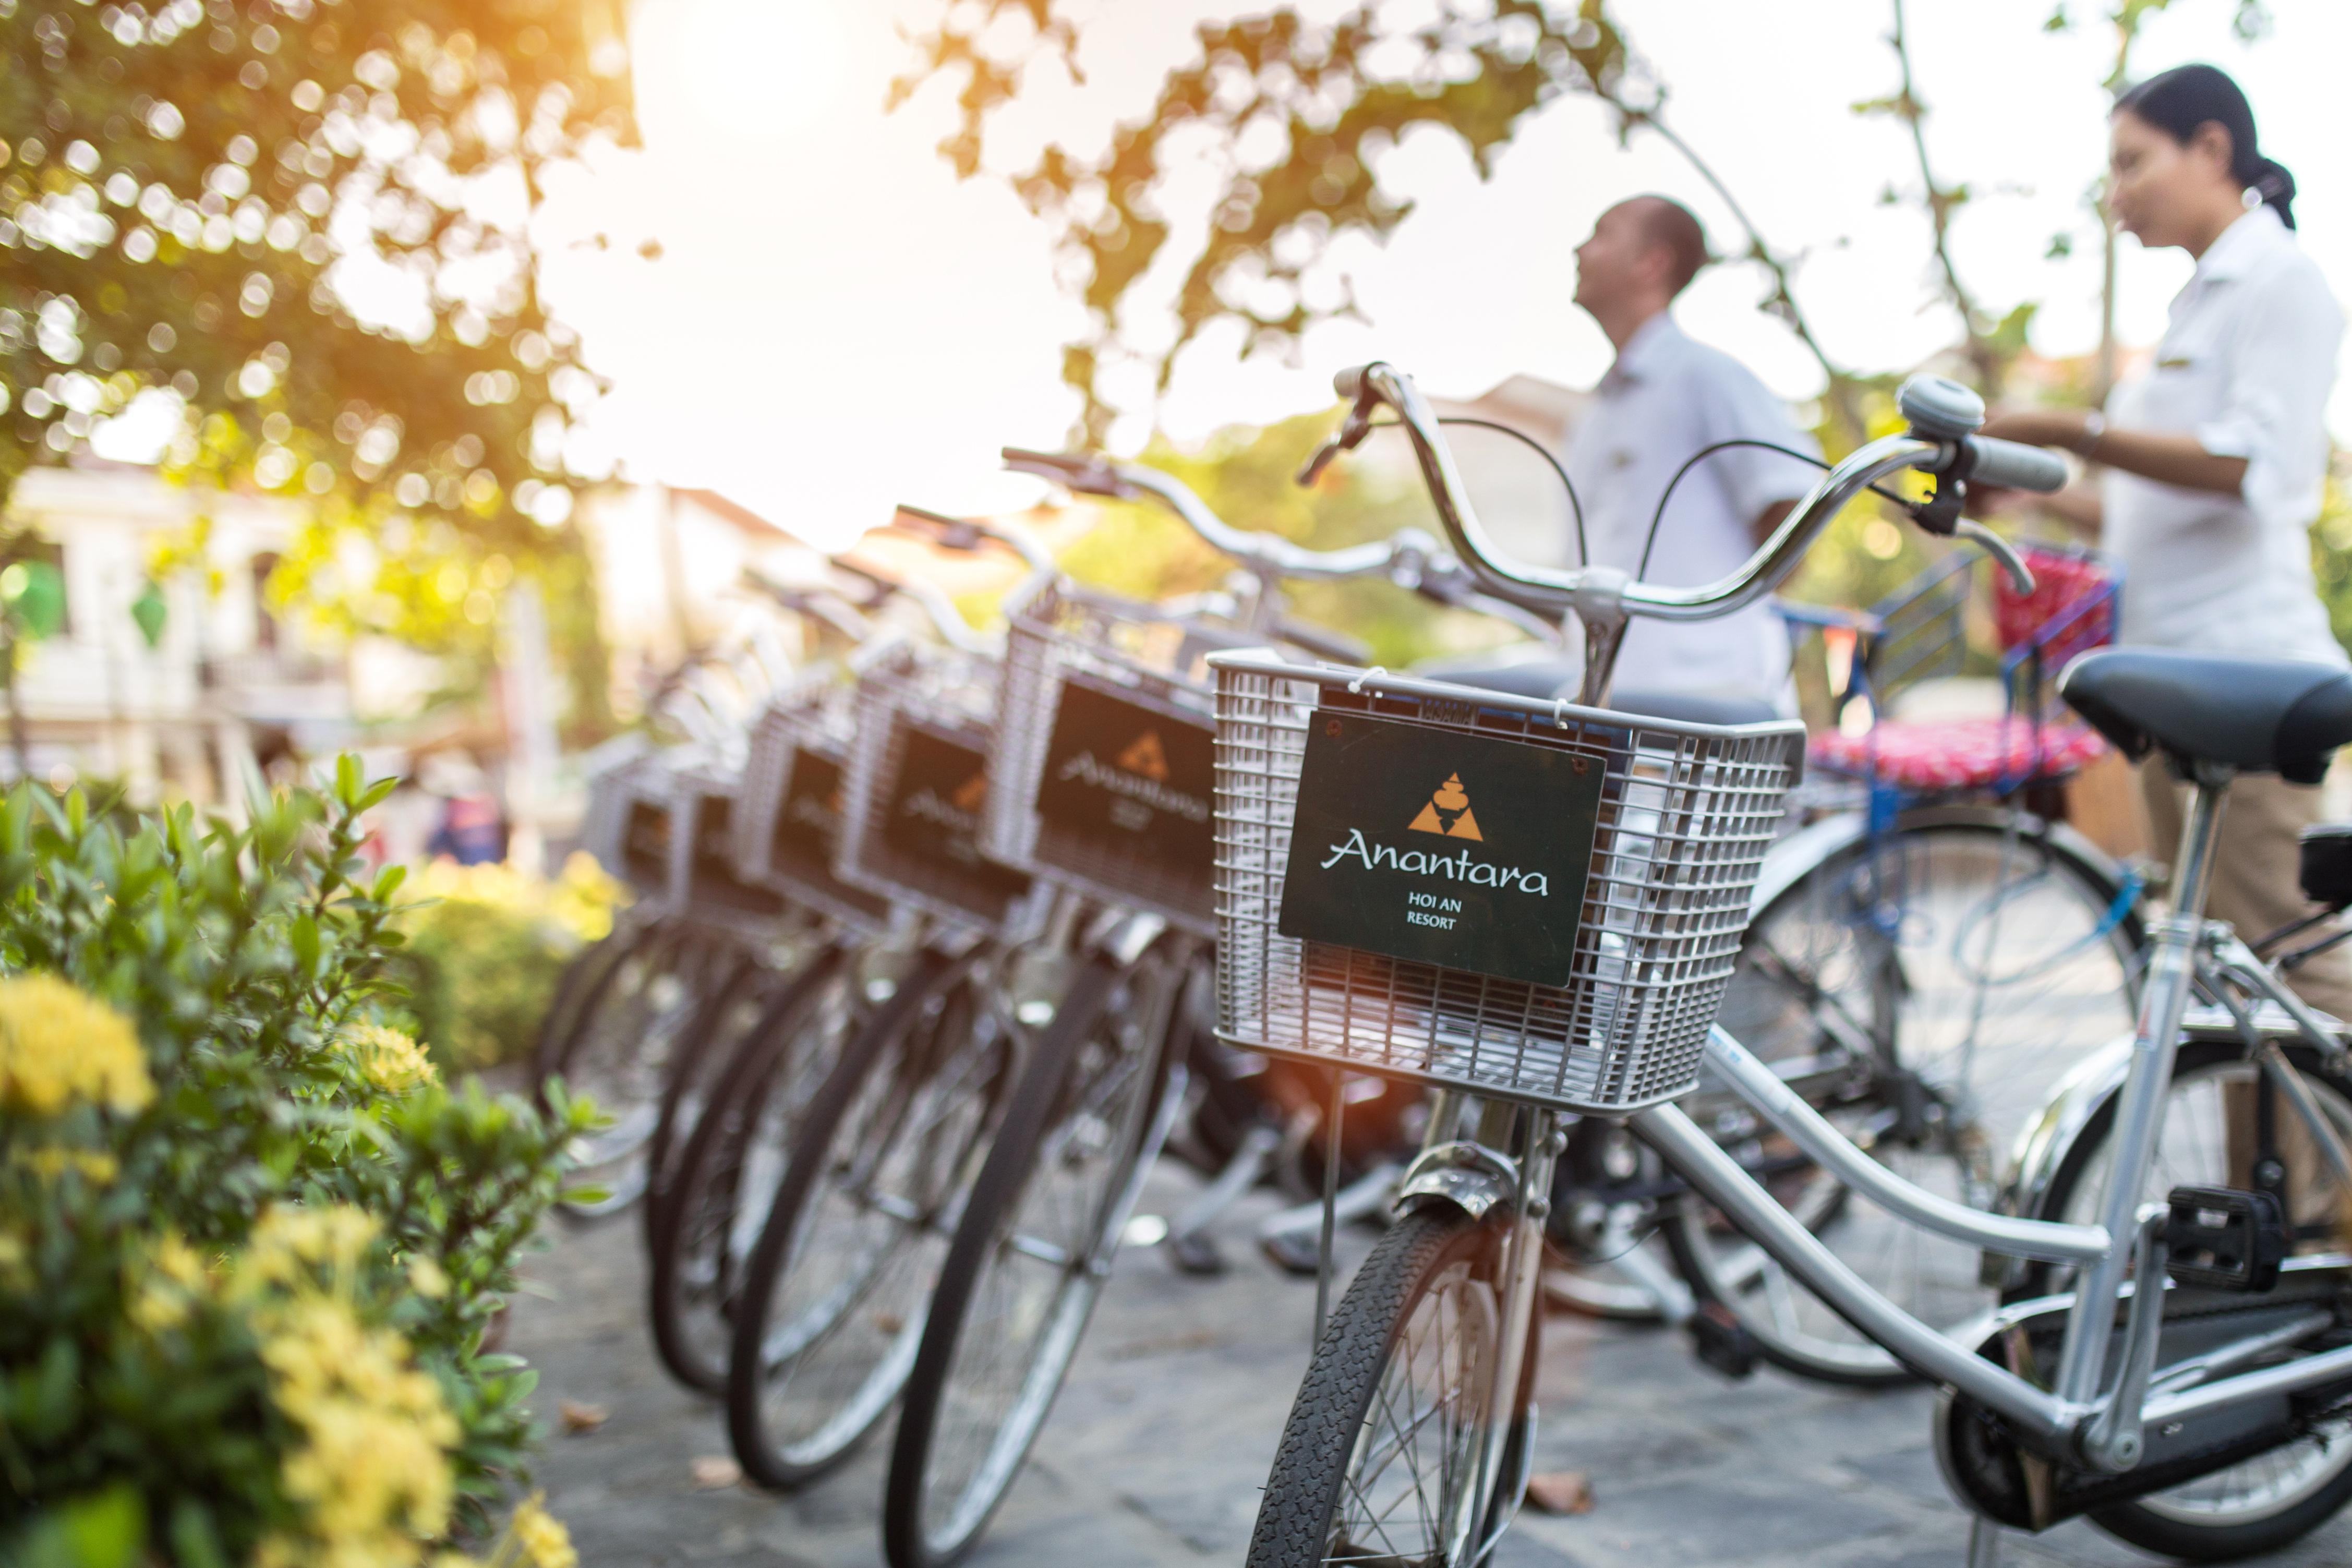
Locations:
(1721, 1342)
(2220, 1238)
(1293, 1253)
(1195, 1254)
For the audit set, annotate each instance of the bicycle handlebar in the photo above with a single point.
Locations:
(967, 535)
(2011, 465)
(1266, 553)
(1942, 415)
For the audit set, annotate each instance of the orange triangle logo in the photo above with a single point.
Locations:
(1448, 813)
(972, 794)
(1146, 758)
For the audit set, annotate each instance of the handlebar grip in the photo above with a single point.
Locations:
(1349, 383)
(2013, 465)
(1080, 471)
(945, 533)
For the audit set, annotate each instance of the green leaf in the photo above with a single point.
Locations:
(105, 1530)
(195, 1539)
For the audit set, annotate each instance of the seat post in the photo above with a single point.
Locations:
(2139, 1112)
(2200, 836)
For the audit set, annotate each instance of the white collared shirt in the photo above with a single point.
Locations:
(1665, 399)
(2245, 366)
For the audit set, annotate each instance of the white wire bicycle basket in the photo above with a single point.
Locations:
(631, 811)
(1102, 774)
(787, 823)
(916, 788)
(1681, 817)
(709, 884)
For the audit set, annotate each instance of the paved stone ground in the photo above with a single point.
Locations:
(1164, 1435)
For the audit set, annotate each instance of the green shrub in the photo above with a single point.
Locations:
(248, 1244)
(487, 945)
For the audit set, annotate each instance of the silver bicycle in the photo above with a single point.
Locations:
(1534, 908)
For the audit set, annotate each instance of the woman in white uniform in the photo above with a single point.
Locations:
(2215, 455)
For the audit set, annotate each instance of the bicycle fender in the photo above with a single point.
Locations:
(2052, 1134)
(1464, 1175)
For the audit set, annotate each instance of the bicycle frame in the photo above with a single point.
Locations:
(2093, 1413)
(2089, 1415)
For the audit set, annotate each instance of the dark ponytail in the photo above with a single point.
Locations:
(2179, 100)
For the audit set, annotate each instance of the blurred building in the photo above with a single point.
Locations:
(222, 688)
(669, 567)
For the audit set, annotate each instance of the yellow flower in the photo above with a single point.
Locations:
(373, 1475)
(164, 1282)
(291, 1244)
(58, 1046)
(426, 1277)
(390, 1060)
(545, 1542)
(96, 1167)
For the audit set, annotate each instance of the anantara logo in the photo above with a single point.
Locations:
(959, 809)
(1141, 775)
(820, 811)
(1448, 813)
(1501, 893)
(1131, 776)
(1145, 757)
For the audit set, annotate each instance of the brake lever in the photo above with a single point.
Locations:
(2021, 576)
(1347, 438)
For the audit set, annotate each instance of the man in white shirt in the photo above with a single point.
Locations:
(1665, 400)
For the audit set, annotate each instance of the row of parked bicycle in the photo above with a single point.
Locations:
(942, 936)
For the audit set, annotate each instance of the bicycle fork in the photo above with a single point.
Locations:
(1473, 1173)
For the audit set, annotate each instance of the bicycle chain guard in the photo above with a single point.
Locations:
(1995, 1475)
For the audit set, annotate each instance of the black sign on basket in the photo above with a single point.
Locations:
(809, 819)
(1138, 776)
(933, 816)
(645, 843)
(716, 875)
(1440, 847)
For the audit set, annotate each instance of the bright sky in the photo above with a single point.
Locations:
(836, 325)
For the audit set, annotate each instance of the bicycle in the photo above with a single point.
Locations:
(1928, 964)
(1100, 772)
(2064, 1404)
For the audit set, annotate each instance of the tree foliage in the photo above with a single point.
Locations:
(307, 220)
(1296, 112)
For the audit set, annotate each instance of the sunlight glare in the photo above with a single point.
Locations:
(743, 67)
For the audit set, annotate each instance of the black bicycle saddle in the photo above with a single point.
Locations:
(2258, 715)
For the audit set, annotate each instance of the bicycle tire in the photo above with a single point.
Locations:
(1324, 1436)
(622, 1057)
(1919, 1108)
(743, 1008)
(561, 1027)
(577, 991)
(694, 1223)
(892, 1137)
(2169, 1523)
(1053, 1102)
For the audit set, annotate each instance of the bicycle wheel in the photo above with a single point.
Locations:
(701, 1224)
(580, 989)
(753, 1001)
(620, 1056)
(1029, 1257)
(1381, 1446)
(1606, 1197)
(1923, 990)
(834, 1288)
(2207, 1140)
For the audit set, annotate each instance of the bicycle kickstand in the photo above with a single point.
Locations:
(1984, 1542)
